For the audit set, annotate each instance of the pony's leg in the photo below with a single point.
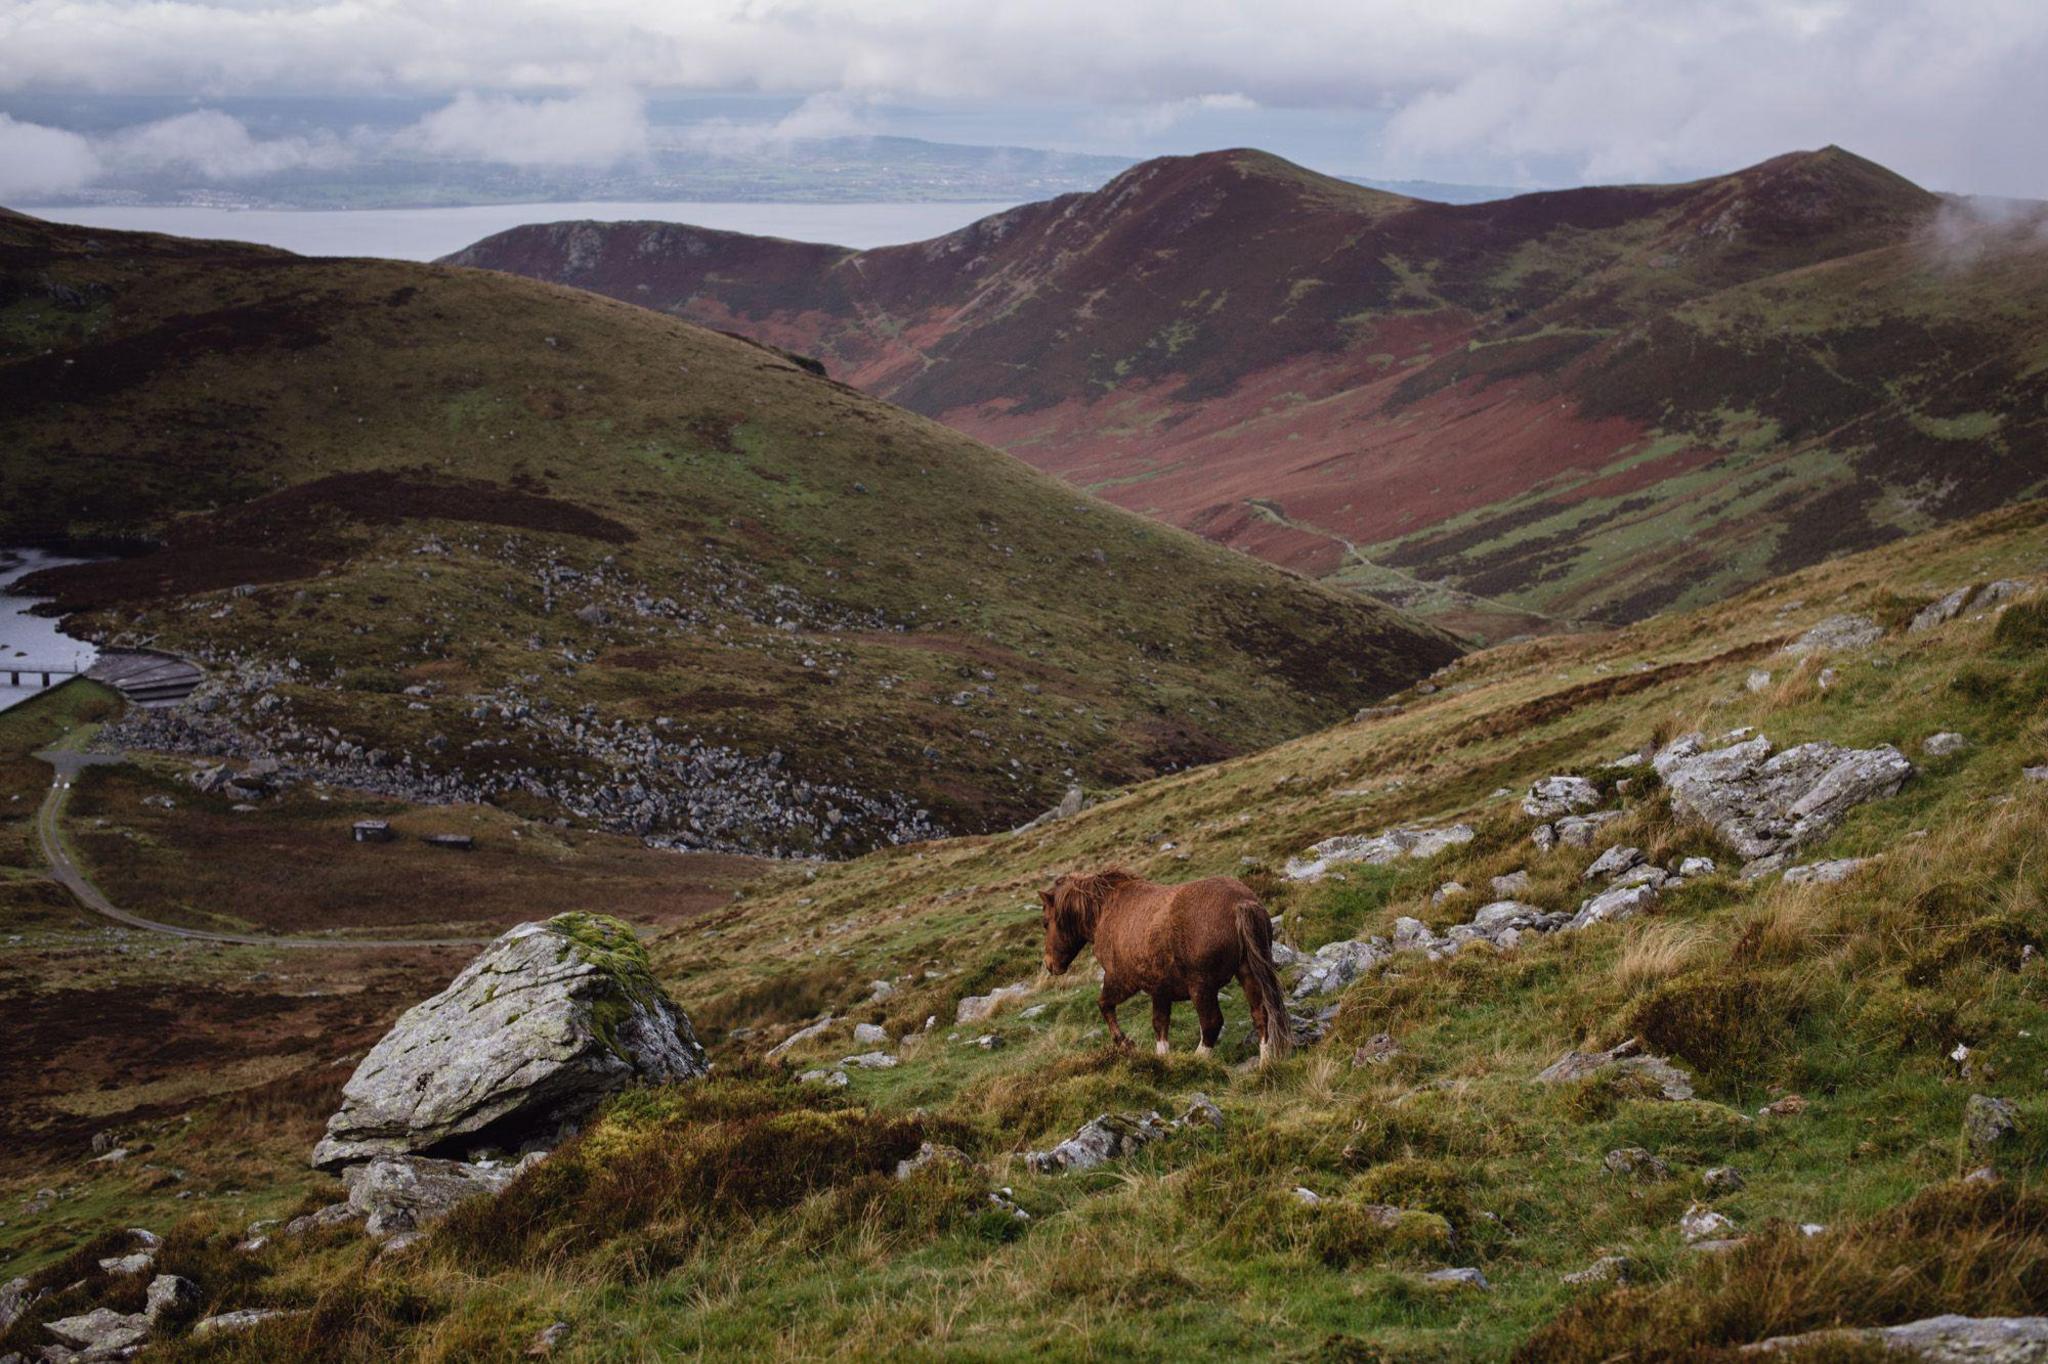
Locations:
(1211, 1015)
(1162, 1022)
(1256, 1000)
(1113, 995)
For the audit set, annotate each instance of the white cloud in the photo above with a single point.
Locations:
(833, 113)
(214, 146)
(597, 128)
(1947, 91)
(1153, 119)
(35, 160)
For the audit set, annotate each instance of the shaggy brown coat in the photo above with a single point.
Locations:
(1173, 943)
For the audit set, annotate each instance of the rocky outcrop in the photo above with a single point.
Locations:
(547, 1021)
(1762, 803)
(1109, 1136)
(1627, 1059)
(1374, 849)
(398, 1195)
(1554, 796)
(1837, 634)
(1946, 1339)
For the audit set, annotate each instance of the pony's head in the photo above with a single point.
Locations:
(1070, 909)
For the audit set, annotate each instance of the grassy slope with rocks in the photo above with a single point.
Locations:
(446, 530)
(1586, 404)
(756, 1215)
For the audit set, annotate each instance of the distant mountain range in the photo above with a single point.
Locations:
(1580, 404)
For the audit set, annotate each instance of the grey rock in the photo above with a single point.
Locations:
(1757, 681)
(1613, 905)
(1645, 875)
(870, 1060)
(1948, 1339)
(1940, 612)
(401, 1194)
(1544, 836)
(1837, 634)
(1554, 796)
(172, 1296)
(548, 1337)
(930, 1154)
(547, 1021)
(1825, 873)
(125, 1265)
(1636, 1163)
(976, 1008)
(1702, 1223)
(101, 1331)
(1723, 1179)
(1306, 1196)
(333, 1215)
(1335, 965)
(234, 1323)
(1580, 831)
(1761, 803)
(1449, 890)
(14, 1300)
(1104, 1138)
(1464, 1277)
(869, 1034)
(1944, 744)
(834, 1079)
(2034, 773)
(1613, 862)
(1507, 887)
(801, 1036)
(1607, 1269)
(1627, 1059)
(1389, 845)
(1696, 866)
(1988, 1121)
(1201, 1112)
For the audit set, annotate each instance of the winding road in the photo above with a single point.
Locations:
(66, 872)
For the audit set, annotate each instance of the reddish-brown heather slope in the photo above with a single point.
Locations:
(1583, 403)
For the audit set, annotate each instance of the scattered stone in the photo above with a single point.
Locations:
(1947, 1339)
(990, 1041)
(1760, 803)
(171, 1297)
(1449, 890)
(102, 1331)
(1005, 1200)
(1579, 831)
(14, 1300)
(1827, 679)
(835, 1079)
(1758, 680)
(870, 1060)
(1554, 796)
(1825, 873)
(1464, 1277)
(1940, 612)
(1607, 1269)
(976, 1008)
(1627, 1059)
(1375, 850)
(125, 1265)
(1791, 1106)
(1636, 1163)
(1722, 1179)
(1336, 964)
(547, 1338)
(234, 1323)
(1696, 866)
(1613, 905)
(1836, 634)
(1544, 836)
(1988, 1121)
(1702, 1223)
(801, 1036)
(2034, 773)
(1507, 887)
(401, 1194)
(1612, 863)
(1201, 1112)
(1306, 1196)
(547, 1021)
(1943, 744)
(1377, 1051)
(930, 1154)
(333, 1215)
(869, 1034)
(1103, 1138)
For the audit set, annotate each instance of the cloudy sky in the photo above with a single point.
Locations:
(1506, 92)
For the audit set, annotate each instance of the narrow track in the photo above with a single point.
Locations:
(66, 872)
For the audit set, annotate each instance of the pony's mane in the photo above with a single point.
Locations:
(1077, 898)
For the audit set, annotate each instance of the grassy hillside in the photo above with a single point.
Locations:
(1588, 404)
(499, 539)
(753, 1214)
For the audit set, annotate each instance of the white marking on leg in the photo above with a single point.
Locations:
(1160, 1046)
(1265, 1051)
(1202, 1050)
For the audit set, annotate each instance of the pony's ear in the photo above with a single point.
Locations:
(1045, 898)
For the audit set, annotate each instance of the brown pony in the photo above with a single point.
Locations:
(1173, 943)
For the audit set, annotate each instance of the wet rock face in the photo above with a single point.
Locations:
(547, 1021)
(1761, 803)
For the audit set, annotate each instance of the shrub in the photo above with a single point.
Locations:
(1730, 1026)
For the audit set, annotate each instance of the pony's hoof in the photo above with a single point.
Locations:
(1159, 1049)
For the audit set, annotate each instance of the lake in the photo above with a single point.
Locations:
(427, 233)
(28, 639)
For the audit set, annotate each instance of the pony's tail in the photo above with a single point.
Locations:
(1255, 940)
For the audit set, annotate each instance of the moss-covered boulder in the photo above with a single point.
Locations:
(547, 1021)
